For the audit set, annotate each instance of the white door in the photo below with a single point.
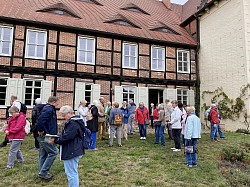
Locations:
(79, 93)
(143, 95)
(171, 94)
(96, 92)
(11, 89)
(119, 95)
(191, 98)
(46, 91)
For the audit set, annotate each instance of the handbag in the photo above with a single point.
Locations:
(189, 149)
(147, 121)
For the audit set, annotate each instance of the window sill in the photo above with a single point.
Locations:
(36, 58)
(134, 68)
(85, 63)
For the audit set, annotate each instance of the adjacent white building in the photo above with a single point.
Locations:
(224, 57)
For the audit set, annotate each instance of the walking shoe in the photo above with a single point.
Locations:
(173, 148)
(3, 145)
(20, 161)
(110, 145)
(119, 145)
(95, 149)
(156, 143)
(141, 138)
(177, 150)
(45, 177)
(190, 166)
(144, 138)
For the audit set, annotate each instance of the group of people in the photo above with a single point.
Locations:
(101, 117)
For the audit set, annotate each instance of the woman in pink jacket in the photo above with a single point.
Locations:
(141, 116)
(15, 133)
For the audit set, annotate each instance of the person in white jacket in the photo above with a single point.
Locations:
(82, 111)
(175, 121)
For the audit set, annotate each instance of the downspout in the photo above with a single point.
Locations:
(197, 87)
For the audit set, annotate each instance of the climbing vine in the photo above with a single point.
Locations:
(229, 108)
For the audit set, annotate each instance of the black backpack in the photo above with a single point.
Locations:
(23, 108)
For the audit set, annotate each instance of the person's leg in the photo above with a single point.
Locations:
(52, 152)
(125, 131)
(71, 170)
(99, 130)
(178, 139)
(14, 148)
(183, 140)
(144, 130)
(161, 134)
(188, 155)
(212, 132)
(19, 156)
(220, 131)
(170, 132)
(140, 130)
(175, 137)
(119, 132)
(103, 130)
(194, 154)
(112, 133)
(93, 138)
(152, 121)
(157, 129)
(42, 153)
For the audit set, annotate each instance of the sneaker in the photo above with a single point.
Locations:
(190, 166)
(156, 143)
(34, 149)
(177, 150)
(3, 145)
(144, 138)
(94, 149)
(114, 136)
(173, 148)
(141, 138)
(45, 177)
(195, 165)
(110, 145)
(119, 145)
(20, 161)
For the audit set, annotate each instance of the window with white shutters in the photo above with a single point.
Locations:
(6, 38)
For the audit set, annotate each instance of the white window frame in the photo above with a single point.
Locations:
(163, 58)
(27, 44)
(11, 41)
(188, 61)
(182, 95)
(6, 86)
(33, 87)
(136, 55)
(85, 50)
(129, 87)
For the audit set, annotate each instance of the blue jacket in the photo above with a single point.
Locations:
(132, 108)
(126, 114)
(47, 121)
(192, 127)
(113, 112)
(71, 138)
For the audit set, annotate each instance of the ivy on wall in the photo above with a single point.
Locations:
(229, 108)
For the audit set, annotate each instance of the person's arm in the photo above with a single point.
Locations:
(94, 111)
(68, 135)
(136, 115)
(21, 122)
(189, 128)
(176, 116)
(43, 119)
(111, 116)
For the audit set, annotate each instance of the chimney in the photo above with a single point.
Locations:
(167, 3)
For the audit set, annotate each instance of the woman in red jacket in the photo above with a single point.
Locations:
(141, 116)
(15, 133)
(215, 120)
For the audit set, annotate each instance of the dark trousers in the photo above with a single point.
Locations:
(35, 135)
(5, 141)
(177, 138)
(170, 133)
(152, 121)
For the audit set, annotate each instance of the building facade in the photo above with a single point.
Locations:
(84, 49)
(224, 52)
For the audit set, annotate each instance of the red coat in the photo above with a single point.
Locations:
(156, 114)
(16, 127)
(141, 117)
(214, 116)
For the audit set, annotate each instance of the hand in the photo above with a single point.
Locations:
(6, 132)
(40, 133)
(51, 141)
(214, 125)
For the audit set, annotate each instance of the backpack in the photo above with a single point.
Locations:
(23, 108)
(118, 118)
(87, 141)
(89, 115)
(207, 114)
(27, 127)
(209, 117)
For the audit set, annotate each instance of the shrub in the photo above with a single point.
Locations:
(232, 154)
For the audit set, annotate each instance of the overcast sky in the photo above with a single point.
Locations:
(179, 1)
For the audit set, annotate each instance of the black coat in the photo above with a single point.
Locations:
(71, 138)
(93, 124)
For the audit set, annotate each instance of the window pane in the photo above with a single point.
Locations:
(132, 50)
(90, 45)
(40, 50)
(31, 50)
(38, 83)
(28, 92)
(179, 92)
(29, 83)
(154, 64)
(126, 61)
(132, 90)
(154, 53)
(125, 97)
(88, 87)
(40, 38)
(87, 94)
(5, 47)
(7, 34)
(185, 68)
(160, 53)
(3, 81)
(82, 44)
(160, 65)
(32, 37)
(185, 56)
(89, 57)
(131, 96)
(125, 89)
(132, 62)
(184, 92)
(179, 98)
(126, 50)
(2, 102)
(2, 95)
(81, 56)
(27, 102)
(179, 56)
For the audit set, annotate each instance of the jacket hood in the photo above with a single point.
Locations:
(78, 120)
(132, 104)
(40, 106)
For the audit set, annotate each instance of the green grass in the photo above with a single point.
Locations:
(137, 163)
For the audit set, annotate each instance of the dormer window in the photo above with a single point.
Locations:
(166, 30)
(134, 8)
(121, 20)
(92, 2)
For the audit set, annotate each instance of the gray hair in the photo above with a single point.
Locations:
(38, 101)
(174, 102)
(213, 105)
(95, 102)
(66, 109)
(190, 109)
(161, 106)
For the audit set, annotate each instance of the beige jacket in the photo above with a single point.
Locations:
(101, 113)
(167, 110)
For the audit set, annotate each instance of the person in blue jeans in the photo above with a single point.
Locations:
(47, 124)
(70, 142)
(141, 116)
(192, 133)
(160, 125)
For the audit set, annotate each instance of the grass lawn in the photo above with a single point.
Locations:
(137, 163)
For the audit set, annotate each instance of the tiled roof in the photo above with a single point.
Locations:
(95, 17)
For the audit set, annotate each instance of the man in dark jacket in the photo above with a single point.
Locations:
(47, 124)
(71, 144)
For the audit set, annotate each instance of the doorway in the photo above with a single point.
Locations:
(155, 96)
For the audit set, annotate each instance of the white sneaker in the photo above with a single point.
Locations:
(141, 138)
(173, 148)
(144, 138)
(114, 136)
(176, 150)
